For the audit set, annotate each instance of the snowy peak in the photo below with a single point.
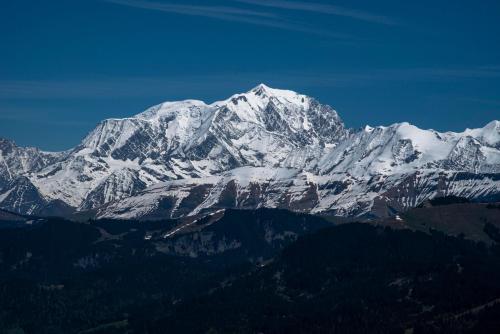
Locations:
(185, 139)
(172, 109)
(265, 147)
(489, 134)
(296, 116)
(404, 148)
(16, 160)
(184, 125)
(250, 106)
(259, 97)
(284, 96)
(260, 89)
(255, 120)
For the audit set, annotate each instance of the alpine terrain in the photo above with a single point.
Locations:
(264, 148)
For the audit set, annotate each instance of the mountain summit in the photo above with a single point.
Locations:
(263, 148)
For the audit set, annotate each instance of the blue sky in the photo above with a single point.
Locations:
(66, 65)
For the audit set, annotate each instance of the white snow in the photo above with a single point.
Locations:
(490, 133)
(265, 136)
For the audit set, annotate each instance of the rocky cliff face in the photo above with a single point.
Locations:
(263, 148)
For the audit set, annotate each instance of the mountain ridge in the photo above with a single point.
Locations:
(189, 156)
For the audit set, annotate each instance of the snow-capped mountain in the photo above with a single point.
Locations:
(264, 148)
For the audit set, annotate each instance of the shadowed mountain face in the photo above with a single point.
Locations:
(264, 148)
(267, 270)
(453, 216)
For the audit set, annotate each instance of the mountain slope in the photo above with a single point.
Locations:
(264, 148)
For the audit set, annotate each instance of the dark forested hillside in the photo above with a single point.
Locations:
(356, 279)
(261, 271)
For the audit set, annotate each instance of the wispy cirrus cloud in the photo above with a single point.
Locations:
(38, 116)
(195, 10)
(92, 88)
(212, 84)
(323, 9)
(231, 14)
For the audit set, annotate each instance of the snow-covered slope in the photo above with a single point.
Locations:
(16, 161)
(264, 148)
